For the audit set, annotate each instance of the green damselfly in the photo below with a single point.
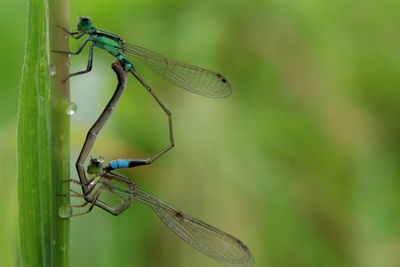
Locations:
(186, 76)
(203, 237)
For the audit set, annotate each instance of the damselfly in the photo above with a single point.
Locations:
(186, 76)
(203, 237)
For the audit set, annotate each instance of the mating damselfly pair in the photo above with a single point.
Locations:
(207, 239)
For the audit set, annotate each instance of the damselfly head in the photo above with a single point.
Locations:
(95, 166)
(84, 24)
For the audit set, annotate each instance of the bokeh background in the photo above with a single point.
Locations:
(301, 162)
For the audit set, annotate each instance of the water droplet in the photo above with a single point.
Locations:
(63, 248)
(53, 71)
(71, 109)
(64, 211)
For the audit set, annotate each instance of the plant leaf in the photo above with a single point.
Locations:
(43, 157)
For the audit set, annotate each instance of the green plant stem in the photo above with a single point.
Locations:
(43, 138)
(60, 100)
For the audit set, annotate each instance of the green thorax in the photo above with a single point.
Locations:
(111, 45)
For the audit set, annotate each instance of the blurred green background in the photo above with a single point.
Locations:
(301, 162)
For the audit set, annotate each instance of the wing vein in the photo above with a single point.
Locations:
(191, 78)
(204, 237)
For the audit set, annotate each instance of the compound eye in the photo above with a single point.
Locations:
(84, 23)
(98, 162)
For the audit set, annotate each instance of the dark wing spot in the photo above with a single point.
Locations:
(178, 214)
(221, 77)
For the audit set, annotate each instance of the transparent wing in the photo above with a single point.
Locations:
(194, 79)
(206, 238)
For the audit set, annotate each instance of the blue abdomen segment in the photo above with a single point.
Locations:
(127, 65)
(125, 163)
(119, 164)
